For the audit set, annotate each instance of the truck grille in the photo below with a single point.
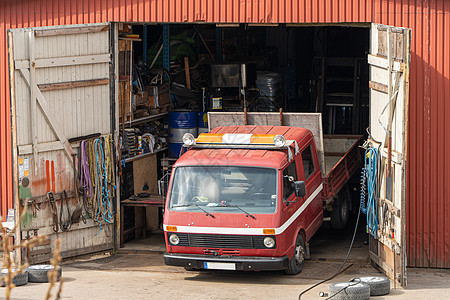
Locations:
(221, 241)
(218, 251)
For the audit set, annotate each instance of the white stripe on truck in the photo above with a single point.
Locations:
(248, 231)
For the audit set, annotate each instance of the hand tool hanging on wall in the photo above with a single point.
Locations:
(75, 218)
(51, 201)
(65, 226)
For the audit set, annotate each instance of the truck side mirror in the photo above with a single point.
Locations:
(300, 189)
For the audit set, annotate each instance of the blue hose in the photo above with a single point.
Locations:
(369, 176)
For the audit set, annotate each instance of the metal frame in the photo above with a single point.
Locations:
(288, 145)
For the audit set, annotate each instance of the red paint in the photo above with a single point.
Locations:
(307, 222)
(47, 172)
(428, 200)
(53, 177)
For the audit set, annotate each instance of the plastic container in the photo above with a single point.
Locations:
(202, 122)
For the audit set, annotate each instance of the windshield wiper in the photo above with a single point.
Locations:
(187, 205)
(247, 214)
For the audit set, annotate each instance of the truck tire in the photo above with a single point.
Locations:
(39, 273)
(379, 286)
(296, 263)
(341, 209)
(349, 291)
(18, 280)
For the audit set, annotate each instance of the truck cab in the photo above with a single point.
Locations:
(244, 198)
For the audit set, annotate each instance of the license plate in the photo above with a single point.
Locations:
(220, 266)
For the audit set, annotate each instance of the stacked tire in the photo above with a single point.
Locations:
(35, 273)
(18, 280)
(360, 288)
(349, 291)
(379, 286)
(39, 273)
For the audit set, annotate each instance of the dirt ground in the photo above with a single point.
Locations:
(138, 272)
(144, 276)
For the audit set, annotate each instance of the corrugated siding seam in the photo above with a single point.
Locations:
(428, 195)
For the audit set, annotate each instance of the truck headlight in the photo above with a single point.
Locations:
(188, 139)
(269, 242)
(279, 140)
(174, 239)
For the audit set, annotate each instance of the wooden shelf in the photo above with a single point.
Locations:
(130, 39)
(145, 119)
(144, 155)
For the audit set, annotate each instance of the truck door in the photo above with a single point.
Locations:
(63, 86)
(389, 61)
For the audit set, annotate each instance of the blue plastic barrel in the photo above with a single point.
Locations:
(179, 124)
(202, 122)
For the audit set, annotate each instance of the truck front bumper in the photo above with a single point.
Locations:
(197, 261)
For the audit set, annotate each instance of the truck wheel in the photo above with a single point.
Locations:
(341, 209)
(349, 291)
(379, 286)
(296, 263)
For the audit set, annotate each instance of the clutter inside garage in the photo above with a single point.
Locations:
(171, 76)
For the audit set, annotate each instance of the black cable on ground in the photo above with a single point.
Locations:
(355, 283)
(345, 261)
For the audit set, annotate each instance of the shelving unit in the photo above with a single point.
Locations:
(337, 93)
(137, 157)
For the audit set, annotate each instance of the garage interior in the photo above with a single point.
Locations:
(292, 68)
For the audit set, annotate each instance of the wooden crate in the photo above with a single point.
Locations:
(163, 95)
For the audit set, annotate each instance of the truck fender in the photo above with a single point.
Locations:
(291, 249)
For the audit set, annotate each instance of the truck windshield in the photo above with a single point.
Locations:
(224, 189)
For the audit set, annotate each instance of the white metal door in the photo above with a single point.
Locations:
(62, 86)
(389, 61)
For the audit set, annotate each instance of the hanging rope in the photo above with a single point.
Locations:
(98, 179)
(85, 178)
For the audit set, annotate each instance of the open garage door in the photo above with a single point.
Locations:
(62, 88)
(389, 61)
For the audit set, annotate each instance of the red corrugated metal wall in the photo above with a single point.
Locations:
(428, 198)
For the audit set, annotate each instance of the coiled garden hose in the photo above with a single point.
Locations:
(369, 176)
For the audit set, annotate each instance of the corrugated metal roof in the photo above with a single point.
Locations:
(428, 200)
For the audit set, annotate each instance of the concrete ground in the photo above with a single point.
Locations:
(138, 272)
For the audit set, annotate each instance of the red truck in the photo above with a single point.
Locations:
(251, 197)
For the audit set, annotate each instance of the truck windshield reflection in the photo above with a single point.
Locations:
(224, 189)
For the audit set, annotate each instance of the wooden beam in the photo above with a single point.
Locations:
(186, 70)
(72, 84)
(378, 87)
(381, 62)
(15, 157)
(378, 61)
(65, 61)
(33, 105)
(43, 147)
(72, 30)
(49, 116)
(43, 198)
